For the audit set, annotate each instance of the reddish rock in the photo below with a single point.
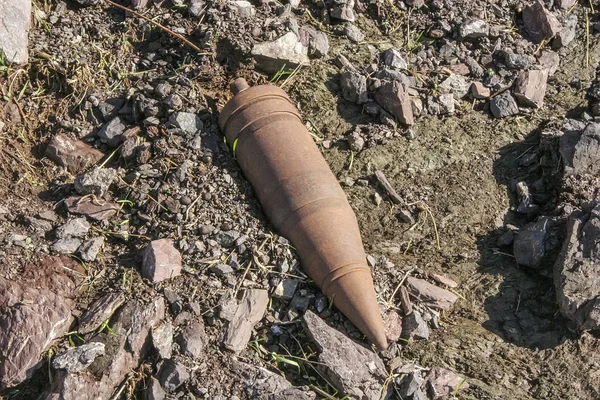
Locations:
(94, 208)
(393, 97)
(243, 315)
(393, 325)
(162, 261)
(442, 382)
(75, 155)
(530, 87)
(460, 69)
(33, 312)
(99, 311)
(479, 91)
(444, 280)
(540, 23)
(549, 60)
(433, 295)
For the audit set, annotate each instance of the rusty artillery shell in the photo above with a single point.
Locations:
(302, 199)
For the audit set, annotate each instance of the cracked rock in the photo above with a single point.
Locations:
(76, 227)
(78, 358)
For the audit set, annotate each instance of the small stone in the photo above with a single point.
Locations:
(458, 85)
(96, 181)
(76, 227)
(172, 375)
(112, 132)
(411, 385)
(434, 296)
(162, 339)
(286, 288)
(474, 28)
(299, 303)
(356, 141)
(163, 89)
(99, 311)
(75, 155)
(517, 61)
(90, 248)
(161, 261)
(416, 105)
(414, 327)
(504, 105)
(15, 19)
(564, 4)
(248, 311)
(190, 123)
(287, 50)
(67, 245)
(193, 340)
(444, 105)
(39, 225)
(478, 91)
(174, 300)
(530, 87)
(110, 108)
(90, 207)
(540, 23)
(444, 280)
(567, 33)
(174, 102)
(393, 59)
(406, 217)
(47, 216)
(78, 358)
(353, 33)
(221, 269)
(318, 42)
(354, 87)
(243, 8)
(154, 391)
(227, 239)
(196, 7)
(442, 382)
(394, 98)
(529, 244)
(393, 325)
(344, 12)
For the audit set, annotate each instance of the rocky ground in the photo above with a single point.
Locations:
(136, 261)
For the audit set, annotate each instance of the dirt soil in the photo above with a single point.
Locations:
(455, 174)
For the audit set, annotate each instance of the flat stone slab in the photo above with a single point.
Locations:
(15, 18)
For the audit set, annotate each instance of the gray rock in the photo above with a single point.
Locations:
(434, 296)
(530, 87)
(299, 303)
(286, 50)
(172, 375)
(163, 89)
(196, 7)
(356, 141)
(15, 18)
(90, 207)
(112, 132)
(174, 102)
(567, 33)
(351, 368)
(580, 150)
(504, 105)
(75, 155)
(78, 358)
(353, 33)
(442, 382)
(415, 3)
(261, 384)
(411, 384)
(474, 28)
(393, 97)
(393, 59)
(96, 181)
(318, 42)
(161, 261)
(90, 248)
(529, 244)
(76, 227)
(66, 245)
(243, 8)
(444, 104)
(564, 4)
(110, 108)
(100, 311)
(162, 339)
(354, 87)
(39, 225)
(344, 12)
(577, 271)
(221, 269)
(154, 391)
(244, 314)
(127, 344)
(414, 327)
(540, 23)
(192, 340)
(458, 85)
(286, 289)
(190, 123)
(517, 61)
(37, 307)
(549, 60)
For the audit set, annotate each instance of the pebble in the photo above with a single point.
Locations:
(354, 87)
(90, 248)
(76, 227)
(436, 297)
(243, 315)
(479, 91)
(172, 375)
(353, 33)
(15, 19)
(196, 7)
(286, 50)
(504, 105)
(318, 42)
(394, 98)
(517, 61)
(75, 155)
(78, 358)
(221, 269)
(244, 8)
(540, 23)
(474, 28)
(110, 108)
(285, 289)
(458, 85)
(190, 123)
(441, 382)
(567, 33)
(161, 261)
(99, 311)
(344, 12)
(393, 59)
(393, 325)
(192, 340)
(97, 181)
(530, 87)
(414, 327)
(68, 245)
(528, 248)
(154, 391)
(112, 132)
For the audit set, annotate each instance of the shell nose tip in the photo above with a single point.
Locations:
(239, 85)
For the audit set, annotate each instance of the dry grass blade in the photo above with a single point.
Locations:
(164, 28)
